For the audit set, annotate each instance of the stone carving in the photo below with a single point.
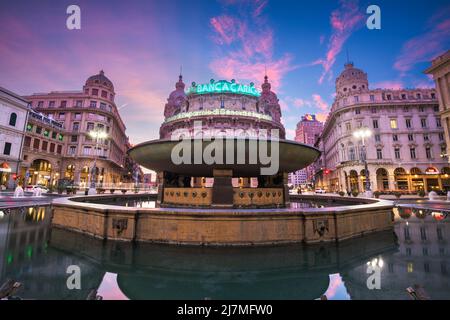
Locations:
(120, 225)
(320, 226)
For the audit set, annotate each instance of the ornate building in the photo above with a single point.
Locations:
(440, 69)
(224, 108)
(406, 147)
(13, 117)
(82, 112)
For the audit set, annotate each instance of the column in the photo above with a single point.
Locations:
(222, 190)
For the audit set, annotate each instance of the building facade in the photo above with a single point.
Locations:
(307, 131)
(13, 117)
(406, 150)
(440, 69)
(81, 113)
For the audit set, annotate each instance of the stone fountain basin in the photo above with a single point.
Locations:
(223, 227)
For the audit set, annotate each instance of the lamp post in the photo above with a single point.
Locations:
(97, 135)
(363, 133)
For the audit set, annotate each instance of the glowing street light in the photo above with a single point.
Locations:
(362, 134)
(97, 135)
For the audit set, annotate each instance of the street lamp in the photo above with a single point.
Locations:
(362, 134)
(97, 135)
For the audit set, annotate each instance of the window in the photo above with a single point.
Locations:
(36, 144)
(79, 103)
(433, 95)
(379, 154)
(13, 119)
(59, 150)
(393, 123)
(441, 136)
(438, 122)
(63, 104)
(104, 94)
(44, 146)
(394, 137)
(75, 126)
(389, 97)
(72, 150)
(423, 122)
(77, 116)
(7, 149)
(408, 123)
(377, 138)
(410, 137)
(73, 138)
(405, 109)
(38, 130)
(412, 152)
(27, 142)
(436, 108)
(372, 97)
(421, 109)
(356, 99)
(29, 127)
(52, 147)
(87, 151)
(397, 153)
(93, 104)
(40, 104)
(403, 96)
(357, 111)
(375, 123)
(374, 110)
(423, 233)
(90, 126)
(103, 106)
(62, 116)
(428, 152)
(95, 92)
(425, 137)
(348, 126)
(51, 104)
(53, 135)
(418, 96)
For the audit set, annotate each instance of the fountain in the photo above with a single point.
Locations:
(222, 180)
(432, 195)
(18, 192)
(37, 192)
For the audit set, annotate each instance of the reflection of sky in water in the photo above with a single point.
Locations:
(337, 290)
(109, 289)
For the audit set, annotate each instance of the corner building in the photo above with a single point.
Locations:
(406, 150)
(79, 112)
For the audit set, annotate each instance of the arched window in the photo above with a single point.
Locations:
(12, 119)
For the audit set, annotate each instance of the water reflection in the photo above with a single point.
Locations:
(38, 256)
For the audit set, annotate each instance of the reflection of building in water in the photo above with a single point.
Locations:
(25, 256)
(423, 259)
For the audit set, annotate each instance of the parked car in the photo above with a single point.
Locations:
(320, 190)
(30, 188)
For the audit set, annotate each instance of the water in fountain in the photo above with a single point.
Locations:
(18, 192)
(37, 192)
(432, 195)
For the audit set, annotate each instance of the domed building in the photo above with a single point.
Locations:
(405, 149)
(59, 144)
(224, 108)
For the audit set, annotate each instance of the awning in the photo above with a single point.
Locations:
(4, 167)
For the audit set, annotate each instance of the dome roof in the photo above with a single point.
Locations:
(351, 79)
(100, 79)
(268, 96)
(178, 94)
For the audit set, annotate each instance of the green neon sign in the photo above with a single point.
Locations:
(223, 86)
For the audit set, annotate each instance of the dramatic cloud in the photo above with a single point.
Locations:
(245, 46)
(426, 46)
(388, 85)
(344, 21)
